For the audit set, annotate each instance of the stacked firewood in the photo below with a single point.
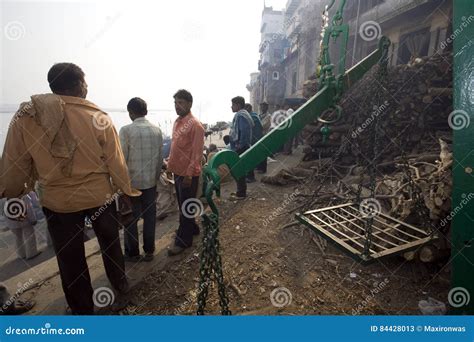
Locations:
(409, 111)
(414, 109)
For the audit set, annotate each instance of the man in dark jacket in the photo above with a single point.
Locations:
(257, 134)
(240, 139)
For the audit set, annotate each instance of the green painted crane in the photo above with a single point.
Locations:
(326, 100)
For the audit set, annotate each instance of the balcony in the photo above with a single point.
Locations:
(387, 10)
(291, 7)
(294, 27)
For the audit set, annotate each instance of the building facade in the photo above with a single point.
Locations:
(416, 28)
(291, 38)
(267, 85)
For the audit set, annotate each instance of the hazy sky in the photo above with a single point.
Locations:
(135, 48)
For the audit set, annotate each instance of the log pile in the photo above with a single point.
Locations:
(413, 109)
(413, 133)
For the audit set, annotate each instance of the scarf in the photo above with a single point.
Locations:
(48, 112)
(235, 132)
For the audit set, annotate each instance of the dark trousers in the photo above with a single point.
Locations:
(299, 140)
(144, 207)
(288, 147)
(242, 182)
(67, 235)
(187, 202)
(251, 175)
(263, 166)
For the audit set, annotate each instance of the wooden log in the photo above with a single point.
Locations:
(427, 99)
(410, 256)
(431, 253)
(440, 91)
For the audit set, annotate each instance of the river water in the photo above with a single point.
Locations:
(160, 118)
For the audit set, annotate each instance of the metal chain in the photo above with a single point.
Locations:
(211, 265)
(382, 76)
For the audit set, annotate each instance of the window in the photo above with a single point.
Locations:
(276, 76)
(414, 44)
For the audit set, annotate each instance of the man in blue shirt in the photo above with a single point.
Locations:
(240, 139)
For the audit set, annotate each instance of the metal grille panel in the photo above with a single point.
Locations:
(344, 225)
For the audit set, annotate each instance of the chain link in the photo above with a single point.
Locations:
(211, 266)
(378, 97)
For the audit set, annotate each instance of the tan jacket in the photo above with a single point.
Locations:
(71, 148)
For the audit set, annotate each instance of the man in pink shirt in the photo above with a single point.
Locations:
(185, 162)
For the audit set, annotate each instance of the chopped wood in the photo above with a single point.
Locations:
(413, 147)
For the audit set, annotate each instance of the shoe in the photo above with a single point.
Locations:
(148, 257)
(19, 307)
(162, 217)
(235, 197)
(251, 180)
(135, 258)
(34, 255)
(175, 250)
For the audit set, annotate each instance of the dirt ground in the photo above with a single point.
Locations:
(271, 269)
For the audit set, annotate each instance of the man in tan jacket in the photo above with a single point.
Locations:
(71, 148)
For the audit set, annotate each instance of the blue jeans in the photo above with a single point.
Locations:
(144, 207)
